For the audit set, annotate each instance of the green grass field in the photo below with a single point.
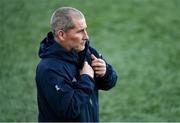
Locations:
(140, 38)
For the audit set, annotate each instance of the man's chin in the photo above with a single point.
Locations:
(80, 49)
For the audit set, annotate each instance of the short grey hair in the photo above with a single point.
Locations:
(62, 19)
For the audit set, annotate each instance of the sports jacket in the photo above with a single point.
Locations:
(62, 93)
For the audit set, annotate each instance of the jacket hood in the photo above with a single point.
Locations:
(49, 48)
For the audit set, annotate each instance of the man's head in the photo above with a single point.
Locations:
(69, 28)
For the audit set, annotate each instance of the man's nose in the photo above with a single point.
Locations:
(85, 35)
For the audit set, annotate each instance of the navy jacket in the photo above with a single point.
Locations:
(63, 94)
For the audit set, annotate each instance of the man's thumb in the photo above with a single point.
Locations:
(93, 57)
(85, 62)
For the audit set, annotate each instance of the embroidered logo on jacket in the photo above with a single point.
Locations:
(57, 88)
(74, 79)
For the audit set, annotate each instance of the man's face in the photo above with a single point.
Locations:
(76, 38)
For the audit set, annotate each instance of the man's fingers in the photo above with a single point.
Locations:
(99, 68)
(99, 72)
(87, 69)
(98, 64)
(98, 61)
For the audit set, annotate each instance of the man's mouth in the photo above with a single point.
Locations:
(83, 43)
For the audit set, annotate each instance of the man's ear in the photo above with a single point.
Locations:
(61, 35)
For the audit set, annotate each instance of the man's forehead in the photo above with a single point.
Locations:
(80, 23)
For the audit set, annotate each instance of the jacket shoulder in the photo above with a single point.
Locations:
(50, 63)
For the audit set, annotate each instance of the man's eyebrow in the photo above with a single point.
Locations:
(80, 30)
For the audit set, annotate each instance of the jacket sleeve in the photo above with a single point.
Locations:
(109, 79)
(64, 96)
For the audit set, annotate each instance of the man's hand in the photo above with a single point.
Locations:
(99, 66)
(87, 69)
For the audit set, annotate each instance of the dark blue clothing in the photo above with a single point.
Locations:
(63, 94)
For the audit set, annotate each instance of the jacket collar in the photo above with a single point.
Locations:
(49, 48)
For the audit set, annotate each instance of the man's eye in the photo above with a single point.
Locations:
(82, 30)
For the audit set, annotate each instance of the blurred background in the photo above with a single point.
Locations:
(140, 38)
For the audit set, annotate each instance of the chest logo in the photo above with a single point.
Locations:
(57, 88)
(74, 79)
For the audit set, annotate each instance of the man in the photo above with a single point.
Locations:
(70, 72)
